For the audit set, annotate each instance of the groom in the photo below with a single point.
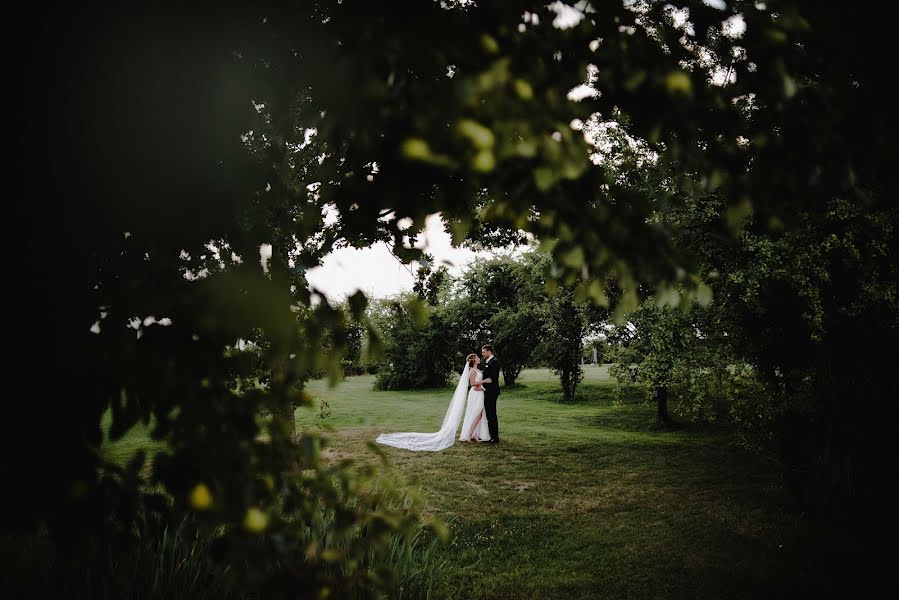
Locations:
(491, 390)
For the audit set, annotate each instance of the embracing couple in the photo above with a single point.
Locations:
(480, 423)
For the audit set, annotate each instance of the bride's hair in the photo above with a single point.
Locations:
(470, 358)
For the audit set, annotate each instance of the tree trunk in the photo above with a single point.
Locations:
(510, 374)
(285, 415)
(661, 397)
(566, 385)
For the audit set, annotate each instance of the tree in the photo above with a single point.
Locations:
(430, 281)
(203, 138)
(354, 359)
(166, 205)
(498, 302)
(517, 332)
(564, 342)
(418, 352)
(418, 349)
(653, 342)
(787, 303)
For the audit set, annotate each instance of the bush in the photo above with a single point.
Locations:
(351, 368)
(724, 391)
(418, 346)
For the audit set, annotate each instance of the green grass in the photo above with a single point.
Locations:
(585, 500)
(590, 499)
(135, 439)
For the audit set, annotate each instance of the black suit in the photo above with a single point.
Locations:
(491, 394)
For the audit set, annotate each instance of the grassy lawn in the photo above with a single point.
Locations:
(586, 500)
(583, 500)
(135, 439)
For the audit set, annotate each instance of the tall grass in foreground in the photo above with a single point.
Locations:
(408, 566)
(176, 561)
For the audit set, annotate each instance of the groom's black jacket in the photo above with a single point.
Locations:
(491, 371)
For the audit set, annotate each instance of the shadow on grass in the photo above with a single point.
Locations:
(588, 394)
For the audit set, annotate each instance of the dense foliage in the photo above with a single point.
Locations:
(498, 301)
(160, 151)
(418, 350)
(509, 301)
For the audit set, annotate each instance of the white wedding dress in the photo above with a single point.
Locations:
(474, 408)
(444, 438)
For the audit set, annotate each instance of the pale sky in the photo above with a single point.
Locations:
(378, 273)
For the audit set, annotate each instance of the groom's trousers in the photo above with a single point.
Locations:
(490, 398)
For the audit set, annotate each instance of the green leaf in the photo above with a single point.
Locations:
(480, 137)
(626, 305)
(375, 348)
(703, 294)
(526, 148)
(357, 302)
(335, 369)
(418, 309)
(523, 89)
(484, 161)
(574, 167)
(489, 44)
(678, 83)
(458, 229)
(598, 294)
(778, 36)
(736, 214)
(635, 81)
(668, 296)
(789, 85)
(416, 149)
(552, 287)
(440, 529)
(545, 178)
(547, 244)
(574, 258)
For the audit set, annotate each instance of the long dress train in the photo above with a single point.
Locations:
(439, 440)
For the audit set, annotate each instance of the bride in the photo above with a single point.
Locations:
(474, 426)
(475, 422)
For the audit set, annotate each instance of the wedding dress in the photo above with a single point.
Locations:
(439, 440)
(474, 409)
